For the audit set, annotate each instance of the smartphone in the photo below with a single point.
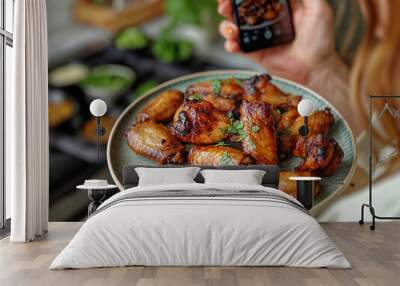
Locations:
(263, 23)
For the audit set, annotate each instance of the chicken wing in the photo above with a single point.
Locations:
(290, 125)
(322, 157)
(222, 94)
(154, 141)
(260, 89)
(163, 107)
(259, 127)
(217, 156)
(285, 137)
(318, 123)
(198, 122)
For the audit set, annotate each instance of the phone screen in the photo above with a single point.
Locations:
(263, 23)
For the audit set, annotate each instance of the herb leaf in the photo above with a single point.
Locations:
(196, 97)
(221, 143)
(236, 128)
(216, 86)
(251, 143)
(255, 128)
(226, 159)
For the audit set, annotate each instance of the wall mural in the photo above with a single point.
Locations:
(236, 121)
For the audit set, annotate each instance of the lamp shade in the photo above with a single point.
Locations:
(305, 107)
(98, 107)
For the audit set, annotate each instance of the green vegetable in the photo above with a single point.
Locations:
(216, 86)
(221, 143)
(201, 13)
(172, 50)
(131, 39)
(238, 81)
(236, 128)
(226, 159)
(144, 87)
(105, 78)
(251, 143)
(196, 97)
(255, 128)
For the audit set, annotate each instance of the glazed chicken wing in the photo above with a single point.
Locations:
(259, 127)
(260, 89)
(286, 138)
(290, 125)
(324, 155)
(222, 94)
(198, 122)
(318, 123)
(155, 141)
(217, 156)
(163, 107)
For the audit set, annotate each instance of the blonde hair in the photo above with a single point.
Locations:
(374, 73)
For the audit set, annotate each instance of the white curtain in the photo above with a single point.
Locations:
(27, 154)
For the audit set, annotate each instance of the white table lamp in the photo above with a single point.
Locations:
(305, 109)
(98, 108)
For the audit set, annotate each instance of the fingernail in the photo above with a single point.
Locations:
(229, 31)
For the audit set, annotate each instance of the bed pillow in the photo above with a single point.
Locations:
(166, 176)
(246, 177)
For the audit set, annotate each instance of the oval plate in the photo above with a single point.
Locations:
(119, 154)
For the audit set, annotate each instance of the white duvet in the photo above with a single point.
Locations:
(200, 231)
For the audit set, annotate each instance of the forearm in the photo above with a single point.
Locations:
(331, 80)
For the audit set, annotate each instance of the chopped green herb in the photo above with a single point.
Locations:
(216, 86)
(242, 136)
(255, 128)
(196, 97)
(226, 159)
(236, 128)
(238, 81)
(221, 143)
(251, 143)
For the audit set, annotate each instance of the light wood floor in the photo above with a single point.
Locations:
(375, 257)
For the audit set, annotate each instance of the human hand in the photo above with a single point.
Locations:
(312, 49)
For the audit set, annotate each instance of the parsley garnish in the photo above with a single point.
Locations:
(238, 81)
(251, 143)
(226, 159)
(216, 86)
(196, 97)
(255, 128)
(236, 128)
(221, 143)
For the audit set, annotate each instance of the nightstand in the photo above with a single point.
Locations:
(96, 195)
(305, 190)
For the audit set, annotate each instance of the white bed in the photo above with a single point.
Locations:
(224, 225)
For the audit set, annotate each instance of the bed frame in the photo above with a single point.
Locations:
(130, 178)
